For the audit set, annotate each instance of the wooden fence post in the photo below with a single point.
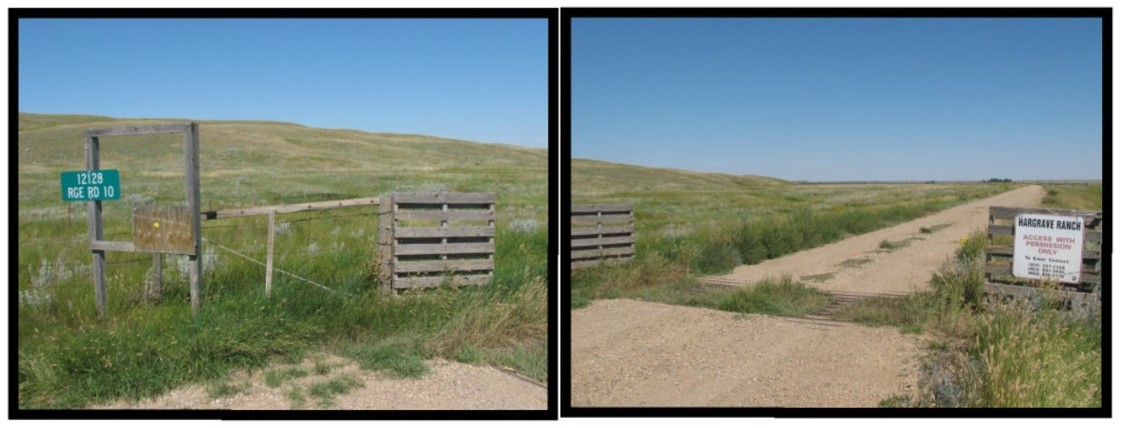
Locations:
(385, 243)
(96, 233)
(191, 165)
(155, 282)
(268, 259)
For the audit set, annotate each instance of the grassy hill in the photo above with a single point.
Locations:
(597, 178)
(247, 163)
(71, 358)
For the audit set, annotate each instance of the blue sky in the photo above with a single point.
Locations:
(842, 99)
(482, 80)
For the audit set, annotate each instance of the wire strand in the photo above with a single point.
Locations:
(277, 269)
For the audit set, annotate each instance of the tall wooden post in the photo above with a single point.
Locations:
(155, 282)
(191, 163)
(268, 260)
(385, 243)
(96, 233)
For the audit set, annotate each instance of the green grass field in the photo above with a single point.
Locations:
(690, 224)
(70, 358)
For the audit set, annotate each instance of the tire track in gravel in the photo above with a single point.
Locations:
(630, 353)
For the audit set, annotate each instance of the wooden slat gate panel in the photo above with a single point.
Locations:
(432, 239)
(998, 258)
(601, 233)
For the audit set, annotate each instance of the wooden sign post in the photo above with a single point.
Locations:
(175, 240)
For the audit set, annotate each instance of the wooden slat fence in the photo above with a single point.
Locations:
(999, 256)
(429, 239)
(602, 233)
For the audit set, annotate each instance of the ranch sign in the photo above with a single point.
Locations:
(95, 185)
(1048, 247)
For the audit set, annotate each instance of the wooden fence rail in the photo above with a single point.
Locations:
(431, 239)
(999, 256)
(601, 233)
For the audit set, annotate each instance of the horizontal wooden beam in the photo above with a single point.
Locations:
(139, 130)
(584, 231)
(124, 246)
(601, 208)
(436, 281)
(432, 215)
(999, 251)
(444, 232)
(436, 249)
(291, 208)
(603, 219)
(436, 266)
(1000, 229)
(443, 198)
(615, 240)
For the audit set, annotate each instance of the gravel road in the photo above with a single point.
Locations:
(858, 264)
(447, 386)
(631, 353)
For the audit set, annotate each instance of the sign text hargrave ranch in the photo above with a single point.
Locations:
(96, 185)
(1048, 247)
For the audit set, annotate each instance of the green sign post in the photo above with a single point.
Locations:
(96, 185)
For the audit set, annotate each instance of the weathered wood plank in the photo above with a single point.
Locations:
(436, 281)
(163, 229)
(443, 265)
(445, 215)
(998, 269)
(268, 256)
(122, 246)
(1000, 229)
(386, 242)
(446, 232)
(999, 250)
(139, 130)
(432, 249)
(444, 198)
(607, 219)
(191, 178)
(154, 291)
(578, 264)
(589, 242)
(605, 208)
(601, 252)
(602, 230)
(96, 232)
(292, 208)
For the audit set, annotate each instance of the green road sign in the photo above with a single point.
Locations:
(96, 185)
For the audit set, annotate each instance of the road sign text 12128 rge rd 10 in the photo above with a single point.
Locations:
(95, 185)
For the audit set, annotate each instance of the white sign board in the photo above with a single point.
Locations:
(1048, 247)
